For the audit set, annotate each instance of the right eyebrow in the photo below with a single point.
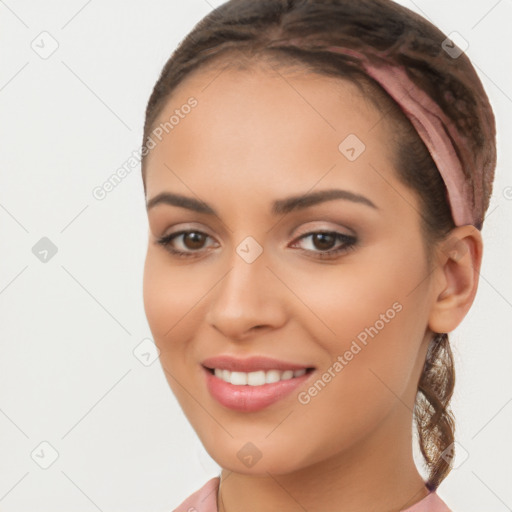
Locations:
(181, 201)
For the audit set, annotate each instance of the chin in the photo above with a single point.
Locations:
(256, 458)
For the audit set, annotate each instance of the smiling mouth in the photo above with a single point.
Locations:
(253, 391)
(258, 377)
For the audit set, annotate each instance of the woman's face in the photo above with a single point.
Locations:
(260, 279)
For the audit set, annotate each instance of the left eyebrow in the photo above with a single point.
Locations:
(279, 207)
(303, 201)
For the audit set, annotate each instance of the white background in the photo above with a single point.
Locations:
(68, 327)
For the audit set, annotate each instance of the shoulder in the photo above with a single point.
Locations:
(202, 500)
(430, 503)
(205, 500)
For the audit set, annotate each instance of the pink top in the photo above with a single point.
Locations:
(205, 500)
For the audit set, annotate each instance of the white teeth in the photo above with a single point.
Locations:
(272, 376)
(257, 378)
(238, 378)
(288, 374)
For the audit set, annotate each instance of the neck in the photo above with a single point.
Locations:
(377, 473)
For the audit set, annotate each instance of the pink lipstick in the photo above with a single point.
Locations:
(251, 384)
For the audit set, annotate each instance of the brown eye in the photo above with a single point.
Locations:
(193, 240)
(322, 244)
(323, 241)
(184, 243)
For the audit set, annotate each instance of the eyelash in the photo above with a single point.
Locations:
(349, 244)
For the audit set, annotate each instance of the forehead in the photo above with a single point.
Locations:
(266, 122)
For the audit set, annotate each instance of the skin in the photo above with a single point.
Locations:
(261, 135)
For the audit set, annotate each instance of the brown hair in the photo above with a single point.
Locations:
(239, 33)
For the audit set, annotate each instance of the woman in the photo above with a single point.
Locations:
(316, 175)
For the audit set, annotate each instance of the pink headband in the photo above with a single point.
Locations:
(435, 129)
(448, 149)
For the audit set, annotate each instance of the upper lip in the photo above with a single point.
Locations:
(250, 364)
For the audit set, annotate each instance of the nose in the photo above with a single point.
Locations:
(248, 298)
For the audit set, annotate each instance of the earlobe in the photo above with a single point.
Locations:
(458, 261)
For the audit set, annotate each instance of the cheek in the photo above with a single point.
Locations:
(368, 315)
(173, 307)
(341, 301)
(367, 338)
(170, 296)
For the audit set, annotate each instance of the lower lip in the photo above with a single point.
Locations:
(251, 398)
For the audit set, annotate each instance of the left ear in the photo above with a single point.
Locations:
(458, 261)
